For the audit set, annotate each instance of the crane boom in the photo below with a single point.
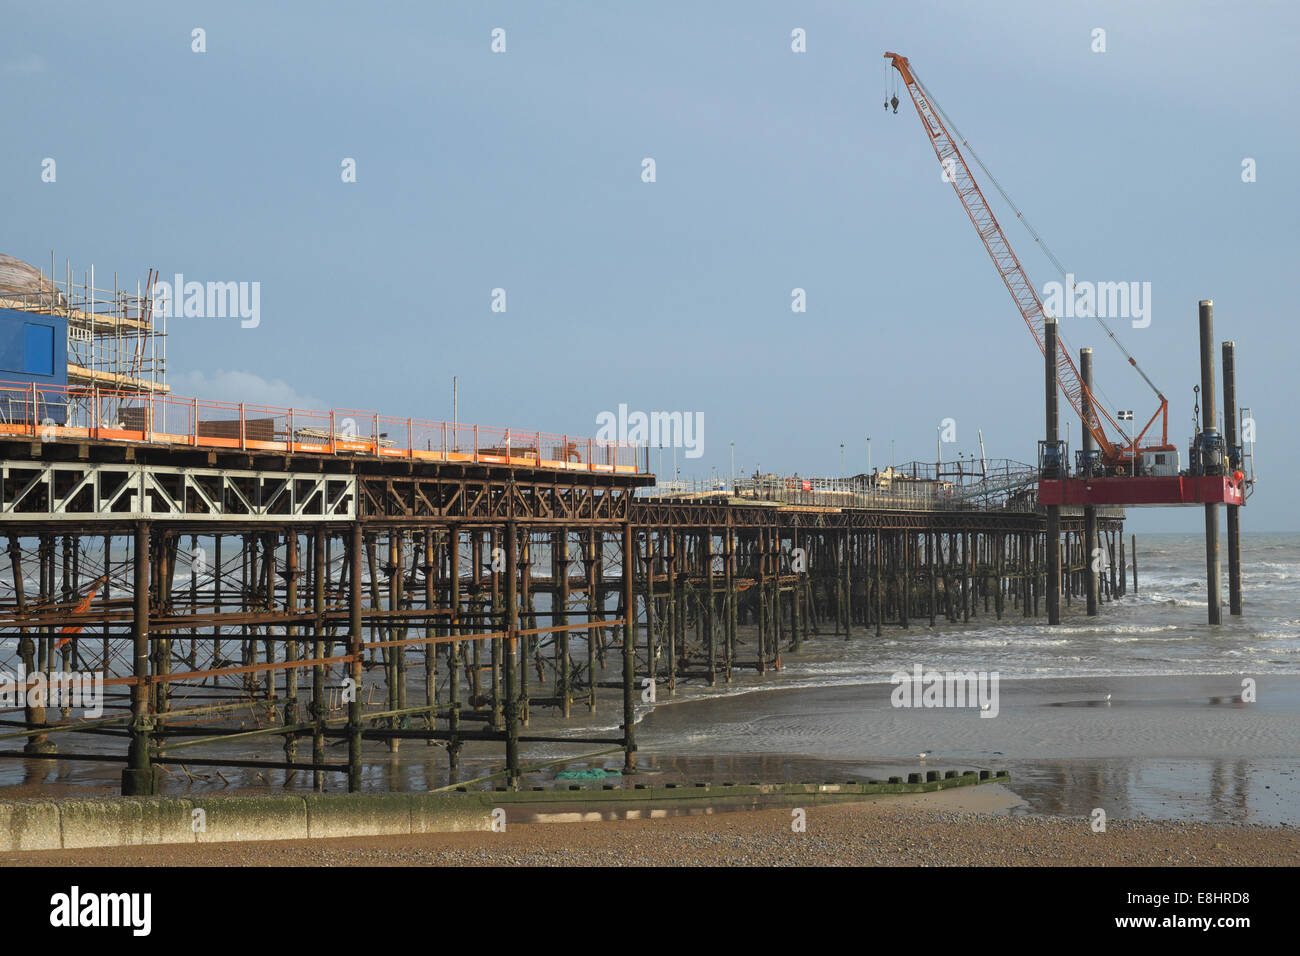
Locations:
(1081, 399)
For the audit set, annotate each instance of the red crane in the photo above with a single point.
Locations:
(1116, 455)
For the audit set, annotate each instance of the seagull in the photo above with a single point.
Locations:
(1108, 698)
(923, 754)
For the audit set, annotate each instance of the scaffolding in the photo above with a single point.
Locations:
(114, 343)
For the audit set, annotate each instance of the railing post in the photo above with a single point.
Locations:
(32, 405)
(444, 439)
(410, 439)
(374, 432)
(333, 448)
(242, 439)
(476, 443)
(194, 423)
(589, 461)
(289, 437)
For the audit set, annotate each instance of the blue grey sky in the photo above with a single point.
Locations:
(775, 170)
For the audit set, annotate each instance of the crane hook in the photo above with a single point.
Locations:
(894, 103)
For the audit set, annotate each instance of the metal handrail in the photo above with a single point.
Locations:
(55, 412)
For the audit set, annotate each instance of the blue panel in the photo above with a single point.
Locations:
(33, 351)
(33, 347)
(38, 349)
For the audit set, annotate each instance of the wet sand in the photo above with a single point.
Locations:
(1170, 748)
(1163, 747)
(951, 828)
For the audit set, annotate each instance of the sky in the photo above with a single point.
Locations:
(774, 170)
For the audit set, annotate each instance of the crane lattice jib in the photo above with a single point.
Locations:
(1008, 266)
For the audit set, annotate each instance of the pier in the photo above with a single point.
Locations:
(350, 592)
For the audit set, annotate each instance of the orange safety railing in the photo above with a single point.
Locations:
(54, 413)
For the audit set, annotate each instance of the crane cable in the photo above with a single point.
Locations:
(1036, 237)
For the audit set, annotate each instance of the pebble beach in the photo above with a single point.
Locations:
(968, 827)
